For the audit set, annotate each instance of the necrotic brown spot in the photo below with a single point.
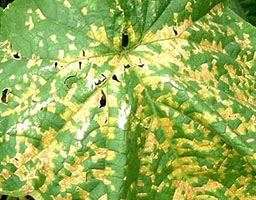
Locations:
(125, 40)
(16, 56)
(127, 66)
(175, 32)
(4, 96)
(103, 99)
(114, 77)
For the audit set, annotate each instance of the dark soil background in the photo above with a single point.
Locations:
(4, 3)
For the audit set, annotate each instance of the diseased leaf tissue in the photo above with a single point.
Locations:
(135, 99)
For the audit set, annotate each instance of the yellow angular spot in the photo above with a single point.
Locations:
(189, 7)
(29, 11)
(5, 173)
(61, 54)
(84, 11)
(18, 87)
(30, 23)
(51, 108)
(104, 197)
(12, 77)
(72, 47)
(99, 33)
(41, 43)
(67, 4)
(111, 155)
(71, 37)
(39, 62)
(25, 78)
(31, 63)
(40, 14)
(53, 38)
(42, 81)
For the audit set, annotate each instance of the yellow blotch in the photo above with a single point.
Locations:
(72, 47)
(111, 155)
(41, 43)
(117, 42)
(212, 46)
(109, 132)
(71, 37)
(32, 62)
(112, 100)
(12, 77)
(51, 107)
(104, 197)
(204, 92)
(25, 78)
(70, 94)
(53, 38)
(99, 60)
(204, 74)
(166, 123)
(29, 11)
(189, 7)
(209, 117)
(230, 31)
(67, 4)
(130, 31)
(61, 54)
(84, 11)
(99, 33)
(6, 174)
(18, 87)
(53, 87)
(40, 14)
(30, 23)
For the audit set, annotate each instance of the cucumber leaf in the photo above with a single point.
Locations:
(142, 99)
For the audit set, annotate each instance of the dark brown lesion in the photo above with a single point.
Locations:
(6, 197)
(103, 100)
(16, 56)
(4, 96)
(125, 39)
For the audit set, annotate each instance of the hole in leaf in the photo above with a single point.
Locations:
(5, 3)
(29, 197)
(16, 56)
(125, 40)
(80, 65)
(4, 96)
(3, 197)
(114, 77)
(141, 65)
(101, 80)
(127, 66)
(83, 53)
(55, 64)
(103, 99)
(175, 32)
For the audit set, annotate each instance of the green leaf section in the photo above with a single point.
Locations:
(169, 115)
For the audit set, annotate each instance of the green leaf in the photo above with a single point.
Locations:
(127, 100)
